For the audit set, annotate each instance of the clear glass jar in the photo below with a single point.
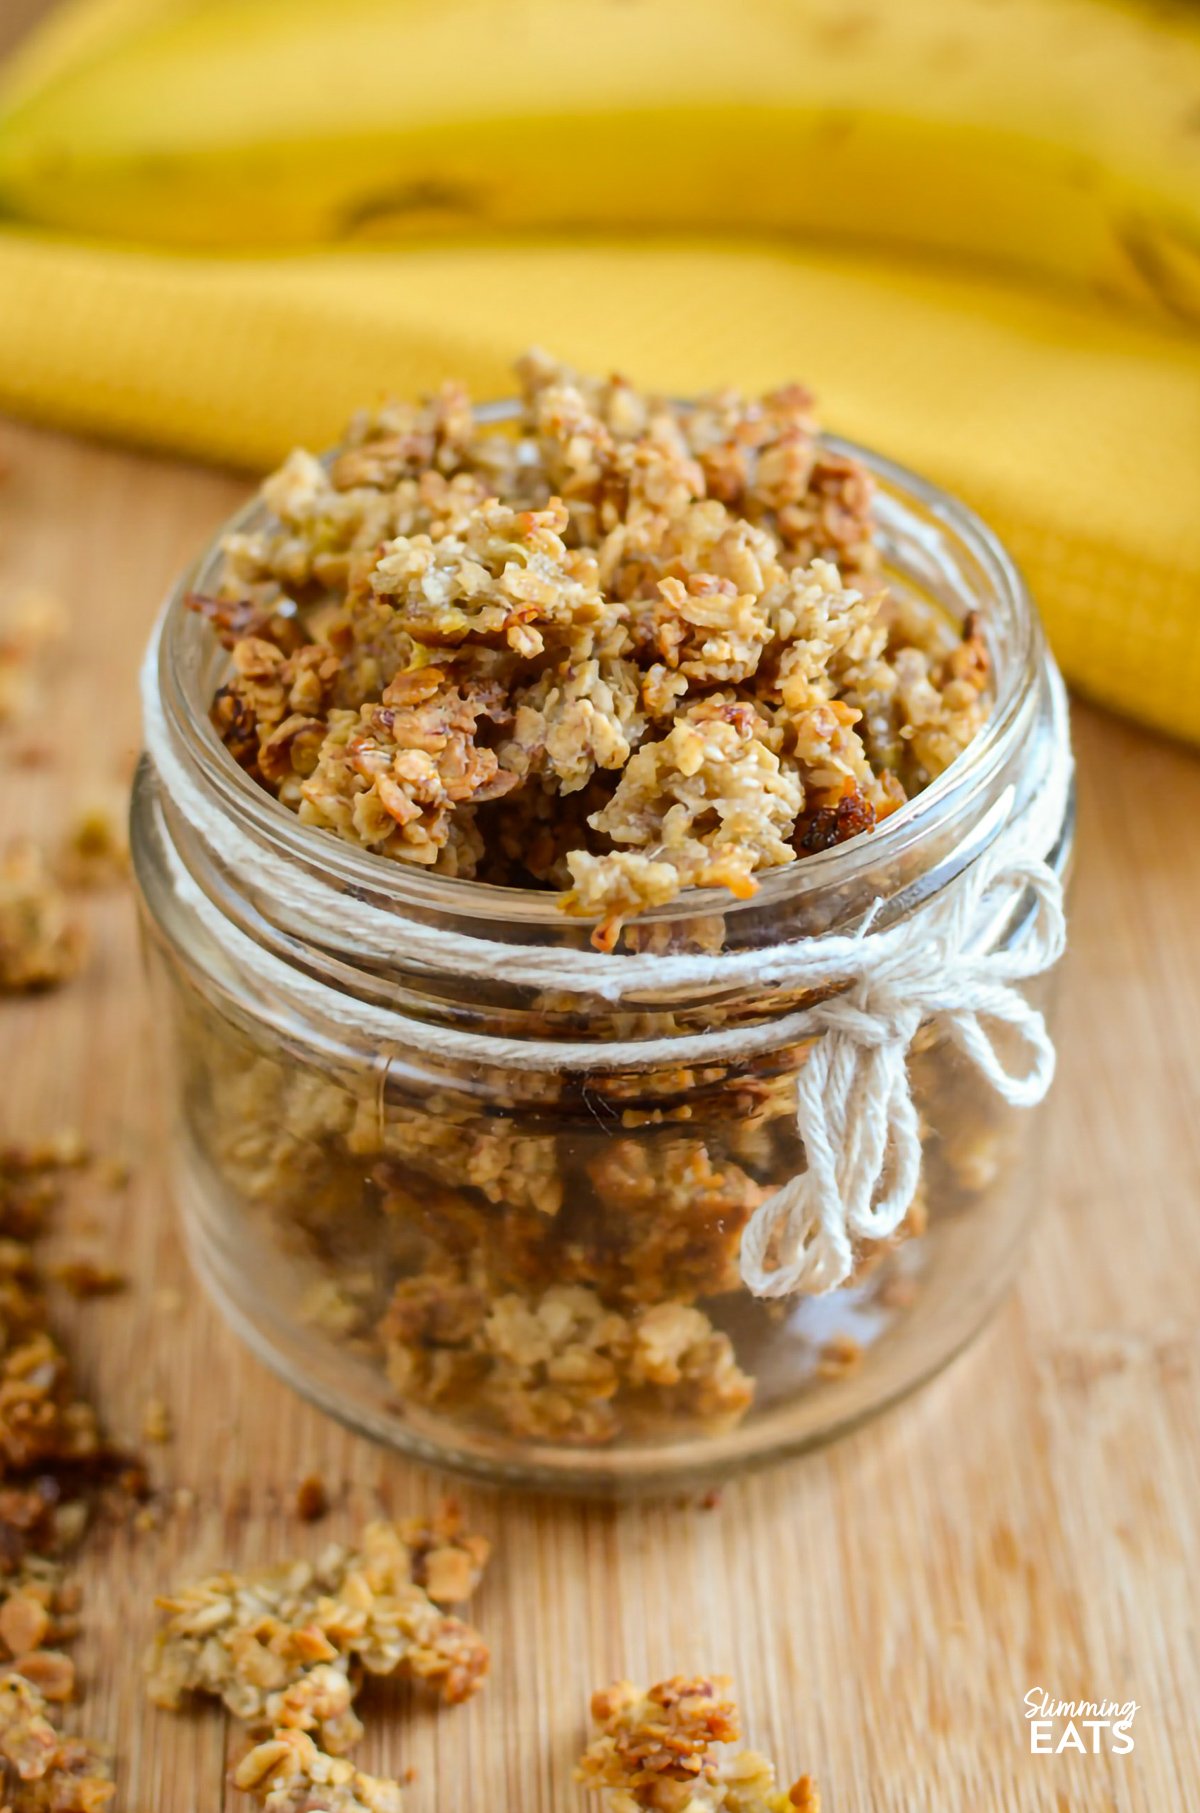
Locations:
(534, 1274)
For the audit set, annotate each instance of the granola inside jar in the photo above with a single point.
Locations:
(450, 1168)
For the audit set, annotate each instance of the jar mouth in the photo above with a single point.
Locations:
(929, 538)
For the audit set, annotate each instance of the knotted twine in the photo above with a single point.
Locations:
(854, 1108)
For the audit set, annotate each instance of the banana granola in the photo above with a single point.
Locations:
(616, 648)
(290, 1774)
(41, 945)
(664, 1748)
(289, 1647)
(41, 1771)
(656, 632)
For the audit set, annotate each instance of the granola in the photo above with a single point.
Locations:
(40, 944)
(290, 1646)
(569, 1279)
(51, 1446)
(41, 1771)
(95, 847)
(289, 1773)
(32, 622)
(560, 1367)
(657, 632)
(664, 1748)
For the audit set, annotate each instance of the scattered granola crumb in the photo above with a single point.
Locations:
(448, 1559)
(290, 1774)
(114, 1173)
(167, 1300)
(65, 1150)
(256, 1642)
(840, 1354)
(312, 1499)
(41, 1771)
(665, 1749)
(32, 621)
(51, 1450)
(40, 945)
(156, 1422)
(95, 850)
(89, 1277)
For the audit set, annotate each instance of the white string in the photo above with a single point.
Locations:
(854, 1109)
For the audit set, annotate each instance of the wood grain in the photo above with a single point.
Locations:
(1028, 1520)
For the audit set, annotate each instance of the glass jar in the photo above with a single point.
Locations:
(534, 1270)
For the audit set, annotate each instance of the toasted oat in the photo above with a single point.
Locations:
(273, 1646)
(663, 1748)
(40, 944)
(290, 1774)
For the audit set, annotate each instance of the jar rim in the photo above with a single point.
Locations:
(411, 885)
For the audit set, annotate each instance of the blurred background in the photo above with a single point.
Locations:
(972, 228)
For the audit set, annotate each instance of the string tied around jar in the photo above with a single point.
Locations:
(854, 1107)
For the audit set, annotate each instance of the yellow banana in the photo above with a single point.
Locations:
(1060, 137)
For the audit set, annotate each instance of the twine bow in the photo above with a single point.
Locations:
(854, 1107)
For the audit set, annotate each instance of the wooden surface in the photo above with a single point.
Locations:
(1028, 1520)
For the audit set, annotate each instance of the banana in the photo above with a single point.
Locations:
(1054, 137)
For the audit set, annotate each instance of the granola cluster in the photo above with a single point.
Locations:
(32, 624)
(41, 1771)
(289, 1773)
(40, 943)
(559, 1366)
(619, 647)
(288, 1648)
(562, 1269)
(664, 1748)
(51, 1454)
(51, 1447)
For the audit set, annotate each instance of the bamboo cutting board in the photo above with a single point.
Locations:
(1029, 1520)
